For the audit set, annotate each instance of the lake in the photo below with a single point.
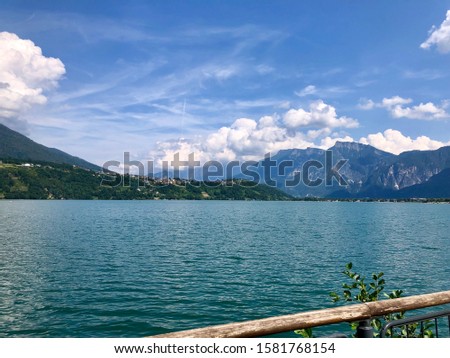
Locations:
(139, 268)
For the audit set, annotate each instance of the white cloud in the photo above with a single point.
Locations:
(249, 139)
(395, 101)
(427, 111)
(439, 37)
(426, 74)
(331, 91)
(220, 73)
(319, 115)
(397, 108)
(328, 142)
(25, 75)
(245, 139)
(394, 141)
(308, 90)
(264, 69)
(366, 104)
(284, 105)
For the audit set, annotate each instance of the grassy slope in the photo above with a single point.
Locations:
(59, 181)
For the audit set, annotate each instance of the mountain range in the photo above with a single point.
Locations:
(365, 172)
(368, 172)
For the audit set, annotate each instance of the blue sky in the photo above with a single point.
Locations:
(225, 79)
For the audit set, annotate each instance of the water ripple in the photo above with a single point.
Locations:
(129, 269)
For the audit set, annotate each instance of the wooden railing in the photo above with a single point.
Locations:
(349, 313)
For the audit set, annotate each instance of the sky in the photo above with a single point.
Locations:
(226, 80)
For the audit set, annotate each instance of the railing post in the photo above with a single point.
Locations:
(364, 329)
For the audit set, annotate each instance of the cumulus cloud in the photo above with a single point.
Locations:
(427, 111)
(319, 115)
(318, 126)
(394, 141)
(25, 75)
(245, 139)
(249, 139)
(439, 37)
(397, 107)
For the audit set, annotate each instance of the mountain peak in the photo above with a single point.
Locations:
(360, 149)
(349, 145)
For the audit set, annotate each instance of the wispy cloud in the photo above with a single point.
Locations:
(260, 103)
(307, 91)
(264, 69)
(136, 77)
(90, 28)
(243, 35)
(427, 74)
(322, 92)
(165, 93)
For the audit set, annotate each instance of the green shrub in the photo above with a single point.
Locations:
(358, 288)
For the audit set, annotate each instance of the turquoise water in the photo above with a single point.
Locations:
(138, 268)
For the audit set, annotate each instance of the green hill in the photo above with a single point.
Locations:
(14, 145)
(60, 181)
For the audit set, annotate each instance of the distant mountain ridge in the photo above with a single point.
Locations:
(391, 174)
(438, 186)
(369, 172)
(14, 145)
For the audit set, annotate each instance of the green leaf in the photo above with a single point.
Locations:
(335, 297)
(358, 290)
(305, 333)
